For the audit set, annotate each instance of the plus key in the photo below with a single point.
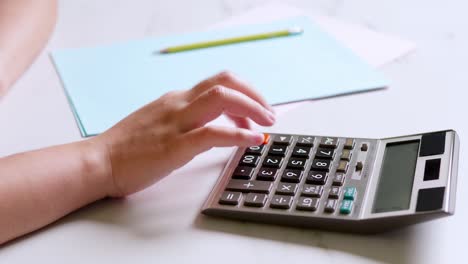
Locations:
(249, 186)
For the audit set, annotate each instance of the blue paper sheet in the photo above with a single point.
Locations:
(105, 84)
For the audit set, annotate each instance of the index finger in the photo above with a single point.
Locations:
(228, 79)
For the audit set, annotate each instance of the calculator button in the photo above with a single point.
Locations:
(334, 192)
(296, 163)
(317, 177)
(286, 188)
(339, 179)
(291, 176)
(274, 162)
(255, 199)
(230, 198)
(364, 147)
(278, 150)
(346, 155)
(321, 164)
(350, 193)
(305, 141)
(249, 160)
(266, 138)
(255, 150)
(266, 174)
(330, 205)
(249, 186)
(342, 166)
(281, 202)
(243, 173)
(346, 207)
(349, 143)
(299, 151)
(307, 204)
(312, 190)
(282, 140)
(329, 142)
(325, 153)
(359, 166)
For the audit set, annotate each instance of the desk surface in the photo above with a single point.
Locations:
(427, 93)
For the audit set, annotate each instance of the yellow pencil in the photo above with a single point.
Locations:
(228, 41)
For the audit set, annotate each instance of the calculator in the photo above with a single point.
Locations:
(344, 184)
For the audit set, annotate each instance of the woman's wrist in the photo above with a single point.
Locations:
(96, 169)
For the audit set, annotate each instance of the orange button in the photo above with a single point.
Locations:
(266, 138)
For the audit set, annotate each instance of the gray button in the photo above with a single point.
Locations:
(312, 190)
(339, 179)
(359, 166)
(249, 186)
(307, 203)
(330, 206)
(281, 202)
(230, 198)
(255, 199)
(334, 192)
(346, 155)
(342, 166)
(364, 147)
(286, 188)
(349, 143)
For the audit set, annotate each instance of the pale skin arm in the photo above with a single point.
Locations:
(25, 26)
(39, 187)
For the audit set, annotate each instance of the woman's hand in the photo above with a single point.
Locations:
(167, 133)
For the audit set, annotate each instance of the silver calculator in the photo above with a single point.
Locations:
(339, 183)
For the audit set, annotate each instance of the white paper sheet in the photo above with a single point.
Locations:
(375, 48)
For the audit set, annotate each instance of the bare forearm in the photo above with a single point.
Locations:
(39, 187)
(25, 26)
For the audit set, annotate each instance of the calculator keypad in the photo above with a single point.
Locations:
(297, 174)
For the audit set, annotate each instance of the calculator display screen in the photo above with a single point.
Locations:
(396, 177)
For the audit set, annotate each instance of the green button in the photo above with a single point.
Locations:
(346, 207)
(350, 193)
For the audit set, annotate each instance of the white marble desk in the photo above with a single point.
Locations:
(163, 225)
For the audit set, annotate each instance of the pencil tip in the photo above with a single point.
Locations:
(164, 51)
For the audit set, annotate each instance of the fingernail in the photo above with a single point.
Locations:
(257, 138)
